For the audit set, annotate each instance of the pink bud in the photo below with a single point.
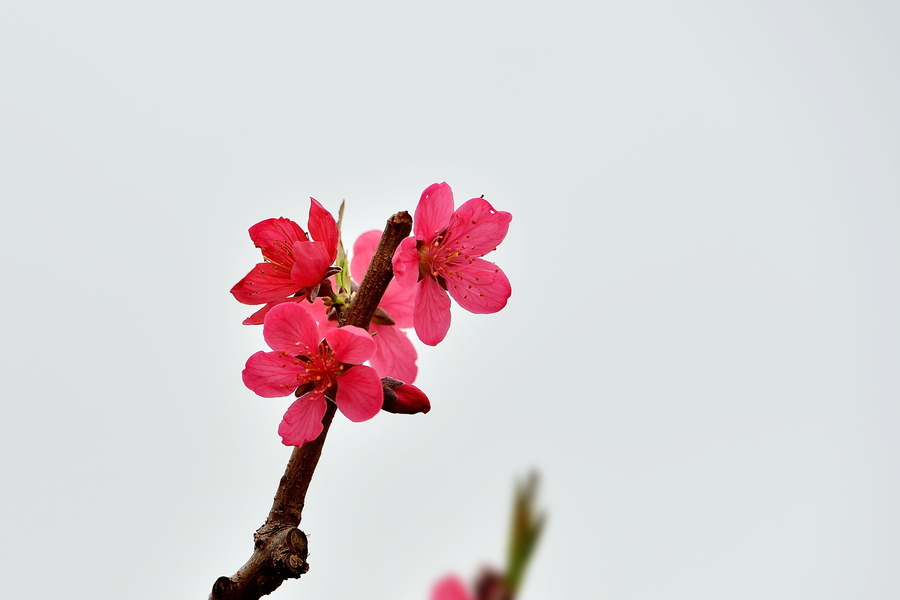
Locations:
(403, 398)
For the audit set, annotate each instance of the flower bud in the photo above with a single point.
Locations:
(491, 585)
(403, 398)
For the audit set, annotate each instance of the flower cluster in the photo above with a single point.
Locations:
(394, 355)
(305, 282)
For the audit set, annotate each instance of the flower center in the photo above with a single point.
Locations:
(433, 257)
(442, 257)
(322, 368)
(281, 256)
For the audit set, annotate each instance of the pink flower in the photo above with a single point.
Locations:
(315, 371)
(394, 355)
(450, 588)
(294, 265)
(445, 256)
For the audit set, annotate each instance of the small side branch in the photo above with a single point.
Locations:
(280, 549)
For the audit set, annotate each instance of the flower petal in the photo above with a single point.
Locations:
(450, 588)
(290, 328)
(395, 355)
(259, 316)
(319, 313)
(479, 287)
(399, 303)
(265, 283)
(432, 312)
(276, 237)
(350, 344)
(323, 228)
(363, 250)
(433, 211)
(476, 228)
(303, 420)
(359, 393)
(313, 260)
(273, 374)
(406, 263)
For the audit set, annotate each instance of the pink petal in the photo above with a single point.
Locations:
(476, 228)
(326, 326)
(259, 316)
(450, 588)
(399, 303)
(363, 250)
(290, 328)
(350, 344)
(480, 287)
(276, 237)
(303, 420)
(395, 356)
(359, 393)
(432, 312)
(313, 260)
(316, 310)
(273, 374)
(406, 263)
(433, 211)
(265, 283)
(323, 228)
(319, 313)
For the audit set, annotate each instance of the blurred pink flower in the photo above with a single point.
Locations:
(450, 588)
(314, 370)
(445, 256)
(294, 265)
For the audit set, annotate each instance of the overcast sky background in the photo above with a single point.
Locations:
(700, 354)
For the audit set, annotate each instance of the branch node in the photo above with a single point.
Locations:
(296, 540)
(222, 589)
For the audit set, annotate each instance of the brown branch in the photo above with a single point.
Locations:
(280, 548)
(379, 273)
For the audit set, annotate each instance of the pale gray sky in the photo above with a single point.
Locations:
(700, 354)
